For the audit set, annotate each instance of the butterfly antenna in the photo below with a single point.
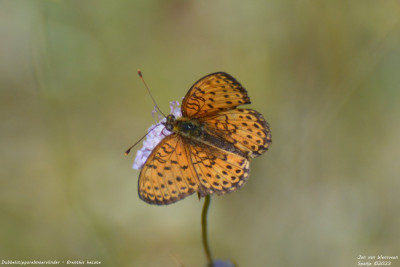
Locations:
(148, 90)
(129, 149)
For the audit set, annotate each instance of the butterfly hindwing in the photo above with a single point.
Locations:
(246, 129)
(218, 171)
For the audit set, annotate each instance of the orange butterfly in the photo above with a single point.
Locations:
(210, 146)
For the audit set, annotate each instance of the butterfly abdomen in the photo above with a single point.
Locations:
(195, 131)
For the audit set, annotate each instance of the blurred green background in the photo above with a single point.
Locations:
(325, 75)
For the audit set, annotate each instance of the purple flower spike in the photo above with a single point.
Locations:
(155, 134)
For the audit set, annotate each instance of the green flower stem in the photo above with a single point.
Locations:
(206, 205)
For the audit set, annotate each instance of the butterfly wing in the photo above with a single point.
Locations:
(178, 167)
(167, 176)
(218, 171)
(246, 129)
(213, 93)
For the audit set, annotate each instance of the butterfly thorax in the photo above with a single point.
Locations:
(184, 126)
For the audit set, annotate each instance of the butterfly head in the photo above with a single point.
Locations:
(169, 124)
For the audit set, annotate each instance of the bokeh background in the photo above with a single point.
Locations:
(325, 74)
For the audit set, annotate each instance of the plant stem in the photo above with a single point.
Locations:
(206, 205)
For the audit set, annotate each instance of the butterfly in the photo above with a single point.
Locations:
(210, 147)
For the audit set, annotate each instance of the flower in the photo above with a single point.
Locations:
(220, 263)
(154, 136)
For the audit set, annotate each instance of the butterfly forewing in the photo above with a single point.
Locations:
(213, 93)
(167, 175)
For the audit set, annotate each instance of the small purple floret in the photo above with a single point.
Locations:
(155, 134)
